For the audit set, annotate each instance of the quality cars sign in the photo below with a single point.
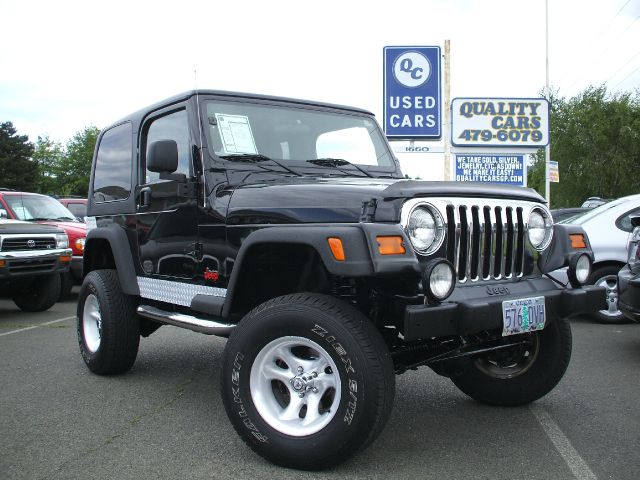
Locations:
(412, 105)
(500, 122)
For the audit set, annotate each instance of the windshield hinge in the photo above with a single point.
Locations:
(368, 210)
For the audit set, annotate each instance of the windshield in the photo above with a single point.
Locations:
(290, 135)
(37, 207)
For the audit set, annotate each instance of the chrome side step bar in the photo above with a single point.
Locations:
(201, 325)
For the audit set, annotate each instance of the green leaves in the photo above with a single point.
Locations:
(595, 138)
(17, 170)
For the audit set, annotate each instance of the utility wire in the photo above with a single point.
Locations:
(622, 81)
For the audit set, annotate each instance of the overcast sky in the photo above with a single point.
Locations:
(65, 65)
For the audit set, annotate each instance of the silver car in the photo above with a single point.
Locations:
(608, 227)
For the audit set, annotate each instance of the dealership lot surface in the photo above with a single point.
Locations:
(165, 418)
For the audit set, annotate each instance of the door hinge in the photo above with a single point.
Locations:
(368, 212)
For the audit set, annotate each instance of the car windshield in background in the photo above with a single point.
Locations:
(580, 219)
(37, 207)
(291, 135)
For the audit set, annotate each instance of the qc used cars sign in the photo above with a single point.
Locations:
(500, 122)
(412, 105)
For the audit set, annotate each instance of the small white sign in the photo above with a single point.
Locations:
(235, 133)
(500, 122)
(417, 149)
(554, 173)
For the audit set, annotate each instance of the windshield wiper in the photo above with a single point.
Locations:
(336, 163)
(257, 158)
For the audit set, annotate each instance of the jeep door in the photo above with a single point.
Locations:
(166, 223)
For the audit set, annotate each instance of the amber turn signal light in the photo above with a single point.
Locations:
(390, 245)
(65, 258)
(2, 263)
(335, 244)
(577, 240)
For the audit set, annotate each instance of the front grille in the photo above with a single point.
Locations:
(12, 244)
(36, 265)
(485, 242)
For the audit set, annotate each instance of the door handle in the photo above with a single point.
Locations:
(145, 198)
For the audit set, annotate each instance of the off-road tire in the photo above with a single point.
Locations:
(364, 373)
(599, 277)
(112, 347)
(541, 376)
(41, 294)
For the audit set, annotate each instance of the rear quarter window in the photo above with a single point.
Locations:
(112, 176)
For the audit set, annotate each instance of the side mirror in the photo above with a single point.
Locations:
(163, 156)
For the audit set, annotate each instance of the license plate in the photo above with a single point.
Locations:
(523, 315)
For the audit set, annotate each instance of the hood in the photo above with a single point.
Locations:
(25, 228)
(72, 229)
(322, 200)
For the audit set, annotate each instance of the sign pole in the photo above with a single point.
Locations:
(447, 110)
(547, 150)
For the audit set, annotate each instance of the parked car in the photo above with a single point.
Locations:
(560, 214)
(33, 207)
(608, 227)
(593, 202)
(629, 276)
(76, 205)
(32, 259)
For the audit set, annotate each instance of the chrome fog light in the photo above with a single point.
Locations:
(579, 269)
(438, 279)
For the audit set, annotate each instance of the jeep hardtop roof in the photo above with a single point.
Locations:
(137, 116)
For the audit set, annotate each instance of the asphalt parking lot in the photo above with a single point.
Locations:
(165, 418)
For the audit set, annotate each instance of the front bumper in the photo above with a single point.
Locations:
(28, 264)
(476, 308)
(76, 268)
(629, 293)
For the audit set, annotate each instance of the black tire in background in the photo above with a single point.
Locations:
(107, 324)
(40, 295)
(607, 276)
(66, 281)
(285, 335)
(520, 375)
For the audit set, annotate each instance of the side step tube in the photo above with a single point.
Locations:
(201, 325)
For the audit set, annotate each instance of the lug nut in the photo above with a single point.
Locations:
(301, 394)
(314, 390)
(300, 369)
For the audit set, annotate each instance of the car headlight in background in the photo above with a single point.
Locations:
(79, 244)
(539, 228)
(425, 228)
(62, 241)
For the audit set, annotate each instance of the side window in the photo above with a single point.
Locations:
(169, 127)
(112, 177)
(624, 222)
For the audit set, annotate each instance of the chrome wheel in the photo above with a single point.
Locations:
(610, 283)
(92, 323)
(510, 362)
(295, 386)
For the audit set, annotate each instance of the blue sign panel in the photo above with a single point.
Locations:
(508, 169)
(412, 104)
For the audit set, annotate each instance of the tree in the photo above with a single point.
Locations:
(74, 168)
(49, 155)
(595, 138)
(17, 170)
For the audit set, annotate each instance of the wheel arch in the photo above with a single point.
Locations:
(108, 248)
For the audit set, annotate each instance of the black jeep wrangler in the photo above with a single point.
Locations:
(32, 257)
(287, 226)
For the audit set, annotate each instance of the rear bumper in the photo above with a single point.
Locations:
(474, 309)
(629, 294)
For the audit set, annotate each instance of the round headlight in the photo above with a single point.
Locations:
(439, 279)
(579, 269)
(540, 228)
(425, 229)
